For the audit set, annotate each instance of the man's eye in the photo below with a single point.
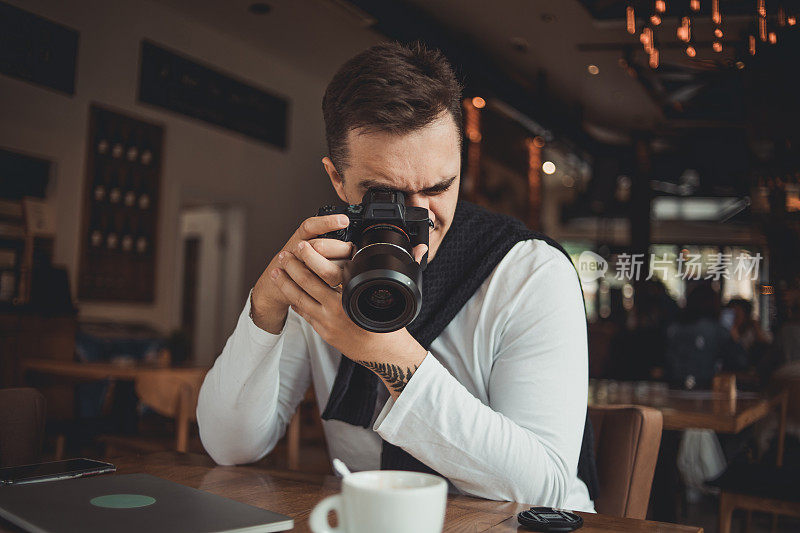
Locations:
(437, 191)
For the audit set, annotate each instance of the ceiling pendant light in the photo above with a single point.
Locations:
(646, 38)
(716, 17)
(791, 20)
(661, 6)
(773, 38)
(695, 5)
(684, 30)
(631, 19)
(654, 58)
(762, 29)
(751, 44)
(718, 33)
(762, 8)
(690, 51)
(717, 46)
(655, 20)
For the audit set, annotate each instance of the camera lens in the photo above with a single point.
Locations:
(380, 298)
(382, 303)
(381, 283)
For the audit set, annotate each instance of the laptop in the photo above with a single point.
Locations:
(130, 503)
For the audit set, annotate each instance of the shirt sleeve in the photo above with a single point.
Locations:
(250, 394)
(524, 445)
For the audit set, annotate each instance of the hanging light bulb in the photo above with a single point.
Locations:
(690, 51)
(684, 30)
(751, 44)
(762, 8)
(646, 38)
(791, 20)
(762, 29)
(655, 20)
(716, 17)
(718, 33)
(717, 46)
(654, 58)
(773, 38)
(661, 6)
(631, 19)
(695, 5)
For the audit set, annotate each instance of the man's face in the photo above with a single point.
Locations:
(424, 164)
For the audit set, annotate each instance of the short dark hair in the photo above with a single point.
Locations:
(745, 305)
(390, 87)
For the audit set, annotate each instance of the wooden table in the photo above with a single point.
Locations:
(700, 409)
(683, 410)
(96, 371)
(170, 390)
(295, 494)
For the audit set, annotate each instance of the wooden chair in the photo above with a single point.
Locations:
(171, 392)
(293, 437)
(759, 487)
(626, 440)
(22, 420)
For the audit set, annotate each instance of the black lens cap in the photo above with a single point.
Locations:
(549, 519)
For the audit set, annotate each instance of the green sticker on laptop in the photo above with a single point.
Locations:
(122, 501)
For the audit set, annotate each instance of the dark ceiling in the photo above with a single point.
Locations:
(731, 116)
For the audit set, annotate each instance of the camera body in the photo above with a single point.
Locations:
(381, 207)
(381, 283)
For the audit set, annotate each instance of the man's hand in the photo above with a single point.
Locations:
(269, 304)
(306, 278)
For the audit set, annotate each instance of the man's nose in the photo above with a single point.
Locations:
(418, 200)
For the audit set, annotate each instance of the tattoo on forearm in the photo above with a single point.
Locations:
(393, 375)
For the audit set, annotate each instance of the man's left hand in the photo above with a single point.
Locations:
(392, 356)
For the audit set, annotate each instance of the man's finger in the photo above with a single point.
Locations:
(419, 251)
(307, 280)
(296, 296)
(316, 226)
(328, 271)
(333, 248)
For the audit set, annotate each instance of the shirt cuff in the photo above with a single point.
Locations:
(262, 338)
(390, 420)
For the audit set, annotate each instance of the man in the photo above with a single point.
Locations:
(489, 383)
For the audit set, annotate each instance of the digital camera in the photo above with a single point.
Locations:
(381, 285)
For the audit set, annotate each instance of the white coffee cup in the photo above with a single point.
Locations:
(385, 501)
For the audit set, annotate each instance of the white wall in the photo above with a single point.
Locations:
(202, 164)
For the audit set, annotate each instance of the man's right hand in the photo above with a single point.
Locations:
(269, 306)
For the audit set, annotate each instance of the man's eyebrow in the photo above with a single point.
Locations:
(374, 184)
(441, 186)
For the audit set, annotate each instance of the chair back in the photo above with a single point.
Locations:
(626, 440)
(22, 419)
(787, 378)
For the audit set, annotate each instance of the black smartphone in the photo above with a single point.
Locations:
(70, 468)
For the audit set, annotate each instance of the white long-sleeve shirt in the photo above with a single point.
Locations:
(497, 406)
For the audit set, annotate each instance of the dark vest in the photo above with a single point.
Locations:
(473, 246)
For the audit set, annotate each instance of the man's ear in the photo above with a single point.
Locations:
(336, 179)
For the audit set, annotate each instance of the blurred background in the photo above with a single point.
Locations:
(154, 155)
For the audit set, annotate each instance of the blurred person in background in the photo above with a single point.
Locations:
(698, 346)
(747, 332)
(639, 348)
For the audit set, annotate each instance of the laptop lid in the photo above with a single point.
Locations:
(130, 503)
